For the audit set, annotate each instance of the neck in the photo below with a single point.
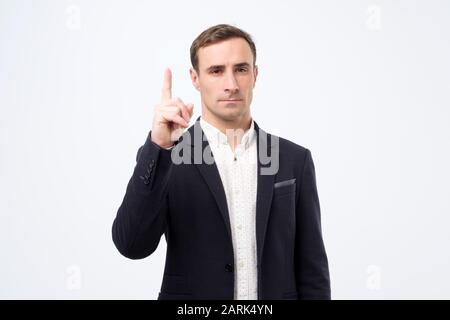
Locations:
(233, 129)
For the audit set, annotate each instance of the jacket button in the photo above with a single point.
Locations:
(145, 179)
(229, 267)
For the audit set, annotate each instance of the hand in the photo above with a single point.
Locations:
(171, 115)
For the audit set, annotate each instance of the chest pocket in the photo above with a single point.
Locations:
(284, 187)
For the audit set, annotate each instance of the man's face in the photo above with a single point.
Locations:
(226, 79)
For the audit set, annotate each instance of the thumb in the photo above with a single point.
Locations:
(190, 107)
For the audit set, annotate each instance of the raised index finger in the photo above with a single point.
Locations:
(166, 93)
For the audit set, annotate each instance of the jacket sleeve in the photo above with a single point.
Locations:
(142, 217)
(311, 263)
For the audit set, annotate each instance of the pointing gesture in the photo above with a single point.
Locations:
(171, 114)
(166, 92)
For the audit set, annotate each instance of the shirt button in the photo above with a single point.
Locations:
(239, 227)
(241, 265)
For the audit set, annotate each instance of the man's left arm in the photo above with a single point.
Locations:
(311, 263)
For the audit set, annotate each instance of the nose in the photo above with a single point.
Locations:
(231, 84)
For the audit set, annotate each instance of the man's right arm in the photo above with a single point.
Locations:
(141, 218)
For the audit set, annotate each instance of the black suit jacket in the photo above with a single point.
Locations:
(187, 203)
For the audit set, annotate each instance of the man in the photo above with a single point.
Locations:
(238, 207)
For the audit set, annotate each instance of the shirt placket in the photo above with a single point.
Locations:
(242, 274)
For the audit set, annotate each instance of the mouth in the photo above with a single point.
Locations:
(231, 100)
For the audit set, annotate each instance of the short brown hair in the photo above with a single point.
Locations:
(217, 34)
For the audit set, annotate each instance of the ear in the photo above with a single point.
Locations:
(194, 78)
(255, 73)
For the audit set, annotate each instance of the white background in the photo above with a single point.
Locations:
(365, 85)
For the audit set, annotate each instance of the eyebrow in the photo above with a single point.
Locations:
(221, 66)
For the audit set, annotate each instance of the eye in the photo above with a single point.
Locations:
(215, 71)
(242, 69)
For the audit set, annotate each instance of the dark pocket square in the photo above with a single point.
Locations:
(284, 183)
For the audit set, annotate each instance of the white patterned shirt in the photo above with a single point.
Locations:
(238, 172)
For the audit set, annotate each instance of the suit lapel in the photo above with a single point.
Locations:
(210, 174)
(264, 191)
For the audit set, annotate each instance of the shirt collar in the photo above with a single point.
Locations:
(217, 137)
